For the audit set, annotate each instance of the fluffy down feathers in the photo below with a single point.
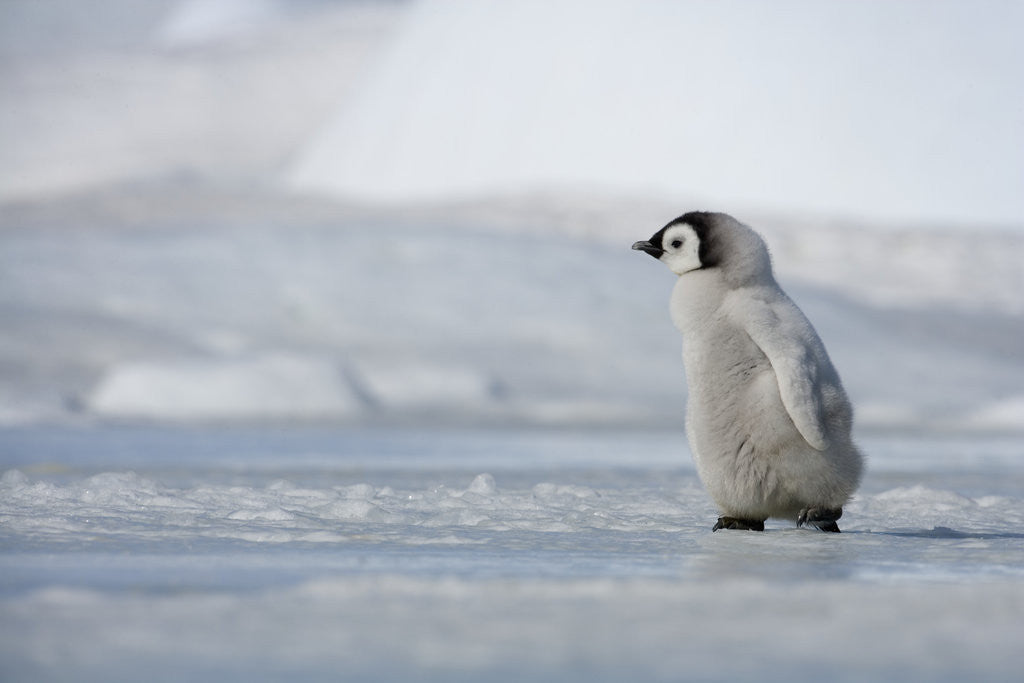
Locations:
(767, 417)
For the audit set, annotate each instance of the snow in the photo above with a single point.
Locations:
(403, 384)
(171, 92)
(251, 434)
(149, 234)
(252, 554)
(139, 252)
(277, 386)
(237, 306)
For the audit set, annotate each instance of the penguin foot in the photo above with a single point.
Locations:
(741, 524)
(820, 518)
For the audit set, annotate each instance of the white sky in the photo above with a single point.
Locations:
(904, 111)
(892, 110)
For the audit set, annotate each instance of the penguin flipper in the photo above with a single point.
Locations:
(787, 340)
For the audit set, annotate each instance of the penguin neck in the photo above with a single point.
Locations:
(696, 296)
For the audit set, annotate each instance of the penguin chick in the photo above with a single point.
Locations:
(767, 417)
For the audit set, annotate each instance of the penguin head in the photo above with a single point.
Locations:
(702, 240)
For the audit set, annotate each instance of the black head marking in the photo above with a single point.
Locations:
(702, 223)
(656, 238)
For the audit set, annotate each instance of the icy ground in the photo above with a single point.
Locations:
(325, 554)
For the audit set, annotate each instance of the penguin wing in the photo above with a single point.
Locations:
(785, 336)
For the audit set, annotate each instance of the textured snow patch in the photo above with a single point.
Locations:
(281, 512)
(945, 513)
(484, 485)
(278, 386)
(265, 515)
(149, 554)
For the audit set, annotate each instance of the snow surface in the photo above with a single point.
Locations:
(259, 554)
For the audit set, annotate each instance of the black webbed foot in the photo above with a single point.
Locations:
(820, 518)
(741, 524)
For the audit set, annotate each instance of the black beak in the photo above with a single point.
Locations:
(644, 245)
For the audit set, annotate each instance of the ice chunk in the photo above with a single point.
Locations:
(277, 386)
(13, 479)
(483, 484)
(416, 386)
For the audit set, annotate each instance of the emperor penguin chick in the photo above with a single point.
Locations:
(767, 417)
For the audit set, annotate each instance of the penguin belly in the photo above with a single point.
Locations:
(749, 454)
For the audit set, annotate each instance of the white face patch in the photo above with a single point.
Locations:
(682, 249)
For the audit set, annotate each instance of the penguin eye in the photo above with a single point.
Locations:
(676, 244)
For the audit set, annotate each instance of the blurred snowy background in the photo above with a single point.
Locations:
(252, 253)
(411, 212)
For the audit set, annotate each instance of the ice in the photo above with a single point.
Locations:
(266, 387)
(264, 307)
(405, 385)
(167, 91)
(229, 554)
(295, 512)
(483, 484)
(430, 626)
